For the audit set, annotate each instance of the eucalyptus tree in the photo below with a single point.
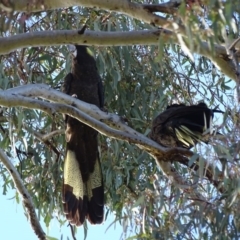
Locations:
(149, 55)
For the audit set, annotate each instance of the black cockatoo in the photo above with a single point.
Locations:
(183, 126)
(83, 192)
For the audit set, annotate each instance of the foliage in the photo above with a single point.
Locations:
(139, 81)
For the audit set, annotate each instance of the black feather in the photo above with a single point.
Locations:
(83, 192)
(183, 126)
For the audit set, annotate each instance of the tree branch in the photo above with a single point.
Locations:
(167, 7)
(50, 135)
(86, 113)
(91, 38)
(131, 9)
(44, 138)
(106, 123)
(12, 98)
(27, 201)
(210, 171)
(48, 38)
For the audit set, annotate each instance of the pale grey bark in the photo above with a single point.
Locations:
(131, 9)
(150, 37)
(108, 124)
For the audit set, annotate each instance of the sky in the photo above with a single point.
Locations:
(14, 224)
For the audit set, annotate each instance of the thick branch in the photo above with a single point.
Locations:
(108, 124)
(132, 9)
(60, 37)
(10, 99)
(48, 38)
(13, 98)
(27, 201)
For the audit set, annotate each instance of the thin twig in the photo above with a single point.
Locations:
(72, 231)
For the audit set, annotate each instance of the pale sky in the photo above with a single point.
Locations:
(14, 224)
